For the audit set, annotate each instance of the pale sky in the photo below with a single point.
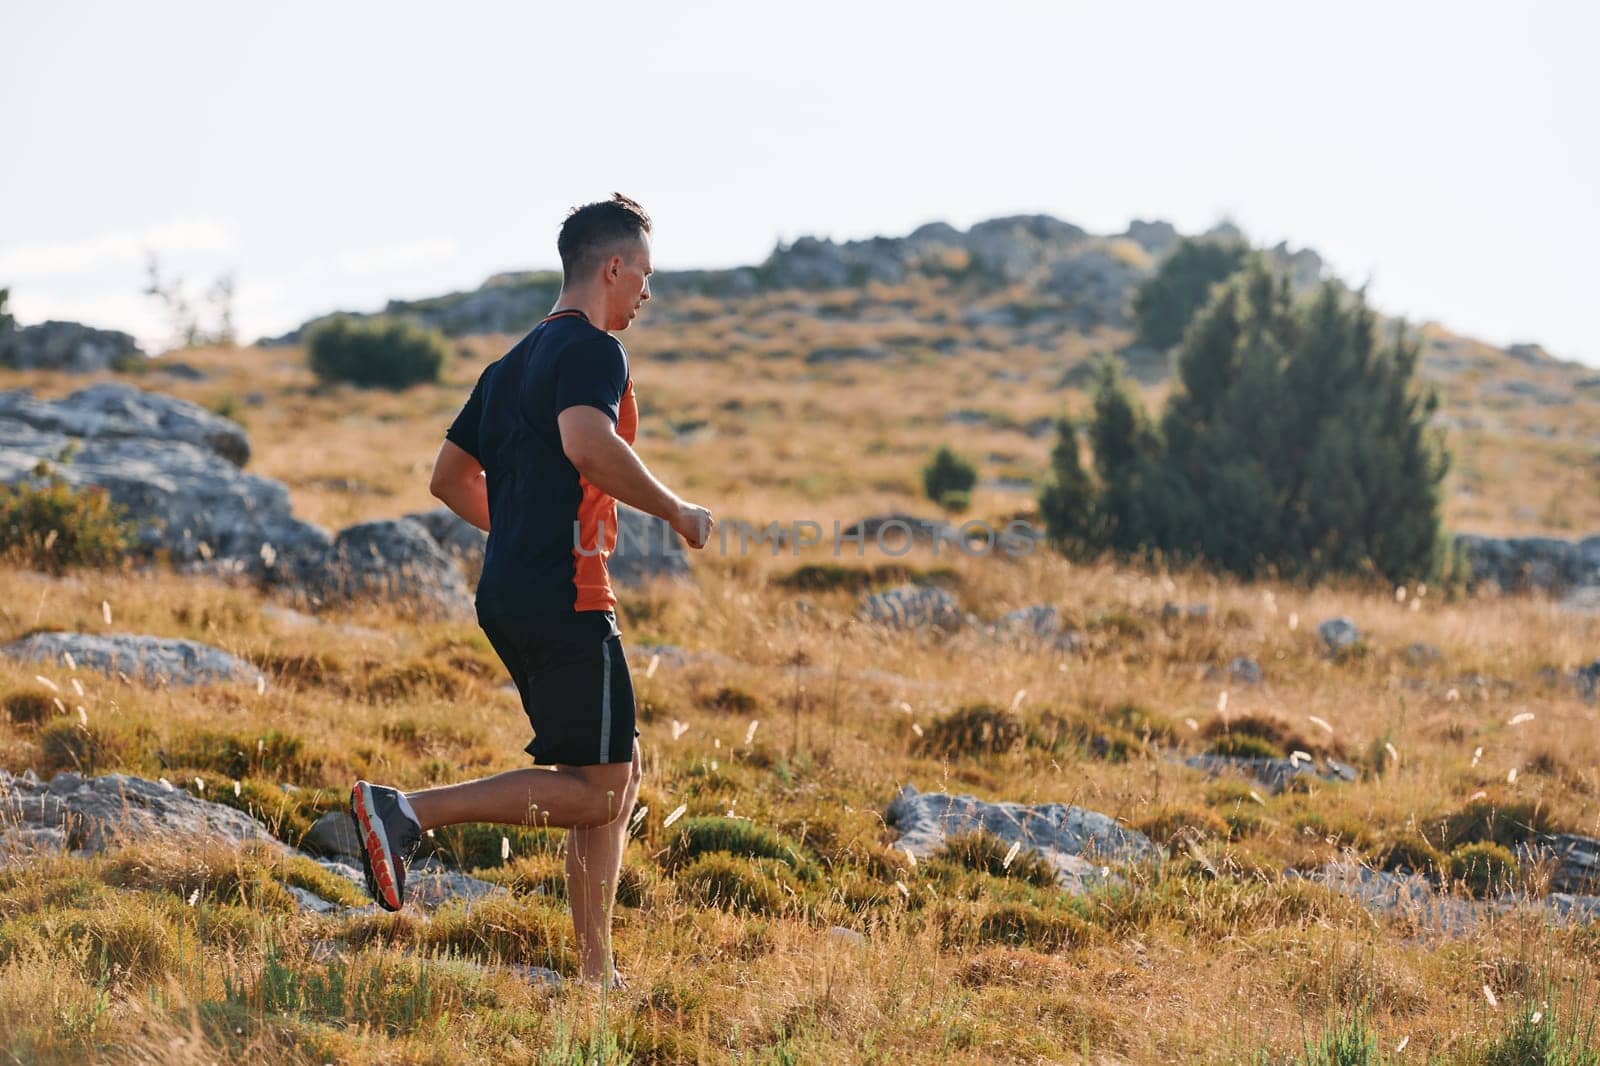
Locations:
(334, 155)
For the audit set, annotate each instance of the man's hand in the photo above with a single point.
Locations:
(693, 524)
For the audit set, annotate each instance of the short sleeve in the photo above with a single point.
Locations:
(463, 432)
(592, 373)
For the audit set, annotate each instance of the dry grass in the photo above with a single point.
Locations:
(729, 952)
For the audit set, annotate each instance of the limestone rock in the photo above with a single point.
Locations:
(112, 410)
(393, 559)
(67, 346)
(185, 499)
(1338, 634)
(1274, 775)
(1071, 839)
(912, 607)
(154, 660)
(334, 835)
(1521, 564)
(95, 813)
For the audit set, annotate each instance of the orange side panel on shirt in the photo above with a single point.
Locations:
(596, 508)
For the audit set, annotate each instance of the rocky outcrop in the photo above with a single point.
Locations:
(1338, 634)
(395, 560)
(1274, 775)
(113, 411)
(153, 660)
(1413, 898)
(66, 346)
(456, 537)
(89, 815)
(173, 468)
(1074, 841)
(1530, 564)
(92, 814)
(1039, 625)
(912, 607)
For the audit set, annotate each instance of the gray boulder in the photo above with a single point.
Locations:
(456, 537)
(392, 559)
(1338, 634)
(154, 660)
(334, 836)
(1157, 238)
(1415, 900)
(1274, 775)
(892, 533)
(186, 500)
(1244, 671)
(1574, 861)
(1096, 286)
(1039, 624)
(112, 410)
(912, 607)
(96, 813)
(1530, 564)
(66, 346)
(1071, 839)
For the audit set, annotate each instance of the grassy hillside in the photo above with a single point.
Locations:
(784, 710)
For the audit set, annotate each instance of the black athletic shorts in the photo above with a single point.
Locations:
(573, 678)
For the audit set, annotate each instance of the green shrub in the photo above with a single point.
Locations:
(695, 837)
(234, 755)
(1488, 820)
(67, 744)
(979, 729)
(1172, 822)
(1164, 304)
(730, 700)
(1482, 869)
(986, 853)
(48, 525)
(375, 353)
(948, 480)
(827, 577)
(474, 846)
(743, 885)
(1015, 924)
(1244, 746)
(30, 706)
(1406, 853)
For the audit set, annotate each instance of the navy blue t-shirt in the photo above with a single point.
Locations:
(550, 530)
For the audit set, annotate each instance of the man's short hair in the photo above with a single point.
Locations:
(593, 231)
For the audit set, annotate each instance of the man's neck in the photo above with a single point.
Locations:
(591, 304)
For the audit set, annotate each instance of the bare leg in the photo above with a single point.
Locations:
(594, 861)
(565, 797)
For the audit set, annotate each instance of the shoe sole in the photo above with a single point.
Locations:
(376, 860)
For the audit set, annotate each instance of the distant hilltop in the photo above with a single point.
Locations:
(1082, 279)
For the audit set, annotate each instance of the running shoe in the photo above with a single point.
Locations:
(389, 835)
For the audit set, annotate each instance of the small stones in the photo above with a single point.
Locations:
(1338, 634)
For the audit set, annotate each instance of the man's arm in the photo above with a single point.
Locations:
(604, 459)
(459, 482)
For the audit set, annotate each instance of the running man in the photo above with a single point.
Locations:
(538, 457)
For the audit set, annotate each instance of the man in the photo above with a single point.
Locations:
(538, 457)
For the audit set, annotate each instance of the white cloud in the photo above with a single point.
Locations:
(42, 259)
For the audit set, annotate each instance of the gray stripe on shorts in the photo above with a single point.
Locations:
(605, 702)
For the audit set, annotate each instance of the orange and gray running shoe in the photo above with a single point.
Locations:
(389, 835)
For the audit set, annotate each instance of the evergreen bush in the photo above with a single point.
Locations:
(384, 353)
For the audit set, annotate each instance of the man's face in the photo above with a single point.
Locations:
(627, 278)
